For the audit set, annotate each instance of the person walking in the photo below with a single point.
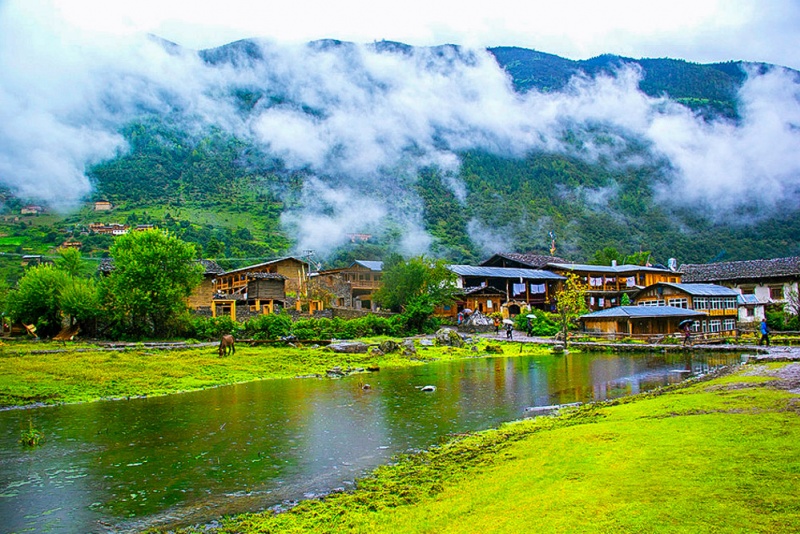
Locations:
(687, 334)
(764, 329)
(510, 331)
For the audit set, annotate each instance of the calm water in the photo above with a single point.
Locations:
(126, 465)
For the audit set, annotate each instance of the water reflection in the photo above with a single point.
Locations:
(188, 458)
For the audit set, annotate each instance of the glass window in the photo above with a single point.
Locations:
(729, 324)
(776, 292)
(715, 325)
(679, 303)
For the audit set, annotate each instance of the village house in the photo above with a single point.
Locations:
(103, 205)
(633, 321)
(109, 229)
(203, 294)
(263, 287)
(759, 283)
(31, 209)
(352, 286)
(606, 284)
(719, 303)
(502, 289)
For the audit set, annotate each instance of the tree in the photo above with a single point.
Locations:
(36, 299)
(154, 272)
(70, 261)
(415, 287)
(570, 302)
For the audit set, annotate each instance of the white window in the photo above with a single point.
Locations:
(715, 325)
(730, 303)
(679, 303)
(488, 303)
(700, 303)
(729, 324)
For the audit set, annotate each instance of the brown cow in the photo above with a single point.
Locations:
(226, 345)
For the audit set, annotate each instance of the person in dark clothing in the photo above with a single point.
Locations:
(687, 334)
(509, 331)
(764, 329)
(529, 327)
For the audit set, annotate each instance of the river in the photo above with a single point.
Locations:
(189, 458)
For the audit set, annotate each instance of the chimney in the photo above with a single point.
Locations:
(613, 263)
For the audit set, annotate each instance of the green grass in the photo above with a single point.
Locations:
(713, 457)
(27, 377)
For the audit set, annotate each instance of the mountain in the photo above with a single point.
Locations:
(354, 151)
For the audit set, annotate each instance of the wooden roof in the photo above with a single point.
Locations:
(741, 270)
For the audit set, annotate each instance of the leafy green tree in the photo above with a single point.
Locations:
(70, 261)
(570, 302)
(154, 272)
(415, 287)
(37, 299)
(79, 301)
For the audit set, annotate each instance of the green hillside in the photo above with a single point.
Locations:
(227, 195)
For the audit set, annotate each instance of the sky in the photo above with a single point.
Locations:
(74, 73)
(695, 30)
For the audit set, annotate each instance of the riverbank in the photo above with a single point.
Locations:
(48, 373)
(713, 455)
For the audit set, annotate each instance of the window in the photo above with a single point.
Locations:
(700, 303)
(715, 325)
(776, 292)
(748, 290)
(716, 303)
(653, 303)
(679, 303)
(729, 324)
(730, 303)
(489, 303)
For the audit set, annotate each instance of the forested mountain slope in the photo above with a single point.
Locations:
(440, 151)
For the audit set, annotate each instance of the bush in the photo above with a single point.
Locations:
(272, 326)
(543, 324)
(212, 328)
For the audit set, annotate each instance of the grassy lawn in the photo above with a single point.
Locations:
(721, 456)
(27, 376)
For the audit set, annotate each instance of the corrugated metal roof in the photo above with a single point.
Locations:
(625, 312)
(611, 269)
(703, 290)
(504, 272)
(748, 299)
(371, 265)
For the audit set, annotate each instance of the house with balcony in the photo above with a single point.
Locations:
(606, 284)
(354, 285)
(759, 283)
(719, 303)
(503, 289)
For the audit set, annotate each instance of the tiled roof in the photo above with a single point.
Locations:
(643, 311)
(734, 270)
(485, 290)
(211, 267)
(536, 261)
(504, 272)
(265, 276)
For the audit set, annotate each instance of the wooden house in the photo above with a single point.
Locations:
(606, 284)
(103, 205)
(719, 303)
(759, 283)
(353, 286)
(31, 209)
(631, 321)
(265, 293)
(505, 289)
(295, 272)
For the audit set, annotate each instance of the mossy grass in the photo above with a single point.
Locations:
(53, 373)
(716, 456)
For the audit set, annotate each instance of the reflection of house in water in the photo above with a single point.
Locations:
(352, 286)
(489, 289)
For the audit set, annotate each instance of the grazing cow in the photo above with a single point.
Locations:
(226, 345)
